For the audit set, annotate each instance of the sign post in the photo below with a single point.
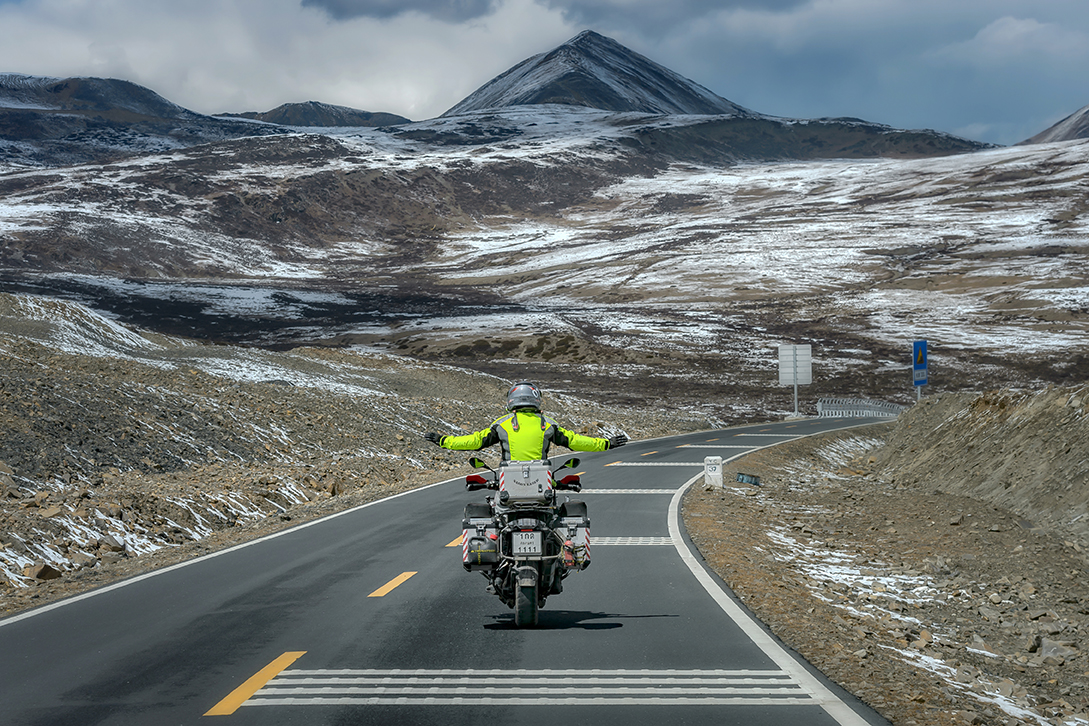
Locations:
(918, 367)
(795, 368)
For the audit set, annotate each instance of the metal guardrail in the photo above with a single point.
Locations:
(852, 407)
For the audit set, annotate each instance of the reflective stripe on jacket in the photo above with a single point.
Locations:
(524, 436)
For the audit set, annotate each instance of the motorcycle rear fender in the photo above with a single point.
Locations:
(527, 576)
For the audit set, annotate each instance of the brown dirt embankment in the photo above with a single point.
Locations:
(933, 567)
(150, 454)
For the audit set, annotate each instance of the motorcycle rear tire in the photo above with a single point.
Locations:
(525, 606)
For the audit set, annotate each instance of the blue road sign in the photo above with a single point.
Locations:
(918, 363)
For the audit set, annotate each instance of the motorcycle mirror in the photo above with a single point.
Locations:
(572, 463)
(478, 464)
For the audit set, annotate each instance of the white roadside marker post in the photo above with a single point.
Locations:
(712, 472)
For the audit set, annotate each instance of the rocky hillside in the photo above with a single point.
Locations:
(62, 121)
(934, 567)
(1027, 452)
(119, 444)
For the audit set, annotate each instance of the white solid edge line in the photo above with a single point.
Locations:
(833, 705)
(210, 555)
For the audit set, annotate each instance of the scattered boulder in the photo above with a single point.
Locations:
(111, 543)
(41, 571)
(82, 560)
(1053, 652)
(6, 473)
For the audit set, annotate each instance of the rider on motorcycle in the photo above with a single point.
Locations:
(525, 434)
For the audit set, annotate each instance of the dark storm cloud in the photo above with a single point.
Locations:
(451, 11)
(654, 17)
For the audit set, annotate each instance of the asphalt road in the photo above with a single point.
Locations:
(367, 617)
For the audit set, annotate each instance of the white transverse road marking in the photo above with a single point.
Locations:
(638, 541)
(628, 491)
(658, 463)
(498, 687)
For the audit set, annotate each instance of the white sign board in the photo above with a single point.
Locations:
(795, 365)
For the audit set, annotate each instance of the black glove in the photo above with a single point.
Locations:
(433, 438)
(618, 440)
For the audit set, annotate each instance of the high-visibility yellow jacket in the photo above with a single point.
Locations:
(524, 436)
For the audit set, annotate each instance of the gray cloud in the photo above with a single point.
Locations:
(654, 18)
(450, 11)
(992, 70)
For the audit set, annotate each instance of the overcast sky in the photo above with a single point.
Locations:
(991, 70)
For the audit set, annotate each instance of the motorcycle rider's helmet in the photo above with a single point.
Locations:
(524, 395)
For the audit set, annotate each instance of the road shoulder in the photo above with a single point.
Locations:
(931, 608)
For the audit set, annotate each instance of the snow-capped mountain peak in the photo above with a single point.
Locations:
(1074, 126)
(598, 72)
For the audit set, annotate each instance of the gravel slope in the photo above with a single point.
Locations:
(866, 555)
(149, 450)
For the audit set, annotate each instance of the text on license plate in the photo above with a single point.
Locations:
(526, 543)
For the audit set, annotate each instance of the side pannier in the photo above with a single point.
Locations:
(479, 538)
(574, 527)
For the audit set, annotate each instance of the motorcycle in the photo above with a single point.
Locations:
(523, 540)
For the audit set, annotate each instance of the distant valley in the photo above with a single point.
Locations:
(657, 245)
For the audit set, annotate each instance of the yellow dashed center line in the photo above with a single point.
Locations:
(243, 693)
(391, 585)
(456, 542)
(649, 453)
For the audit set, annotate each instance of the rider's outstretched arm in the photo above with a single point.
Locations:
(578, 442)
(469, 442)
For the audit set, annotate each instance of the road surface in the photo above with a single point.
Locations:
(367, 617)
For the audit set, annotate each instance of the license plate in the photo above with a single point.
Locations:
(526, 543)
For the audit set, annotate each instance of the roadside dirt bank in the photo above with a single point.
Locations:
(116, 464)
(934, 566)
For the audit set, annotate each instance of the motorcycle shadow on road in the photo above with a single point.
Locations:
(567, 619)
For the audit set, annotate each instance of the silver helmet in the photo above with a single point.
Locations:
(524, 395)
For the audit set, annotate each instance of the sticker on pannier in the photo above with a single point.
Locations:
(479, 544)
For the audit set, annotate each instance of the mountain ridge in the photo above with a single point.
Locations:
(88, 96)
(597, 72)
(49, 122)
(316, 114)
